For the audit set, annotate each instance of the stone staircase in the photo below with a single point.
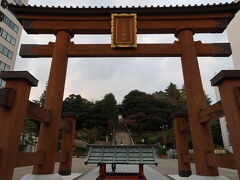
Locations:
(122, 135)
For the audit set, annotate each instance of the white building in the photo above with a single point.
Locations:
(10, 33)
(233, 31)
(223, 124)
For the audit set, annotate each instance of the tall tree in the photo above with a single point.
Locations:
(29, 133)
(175, 96)
(42, 98)
(110, 108)
(173, 93)
(79, 105)
(146, 111)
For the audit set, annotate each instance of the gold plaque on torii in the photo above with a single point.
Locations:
(124, 30)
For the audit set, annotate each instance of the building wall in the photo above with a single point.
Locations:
(233, 31)
(223, 124)
(10, 34)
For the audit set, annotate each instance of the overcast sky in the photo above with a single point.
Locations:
(92, 78)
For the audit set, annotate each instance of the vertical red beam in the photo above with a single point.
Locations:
(67, 144)
(48, 136)
(195, 102)
(141, 170)
(228, 82)
(102, 170)
(12, 119)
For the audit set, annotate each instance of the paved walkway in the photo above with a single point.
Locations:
(165, 167)
(121, 135)
(149, 172)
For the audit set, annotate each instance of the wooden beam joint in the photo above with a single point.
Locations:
(37, 113)
(30, 158)
(213, 112)
(189, 158)
(237, 94)
(221, 160)
(7, 96)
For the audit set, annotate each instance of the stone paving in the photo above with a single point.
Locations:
(165, 167)
(149, 172)
(122, 137)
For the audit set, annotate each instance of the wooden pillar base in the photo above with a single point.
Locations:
(65, 172)
(185, 173)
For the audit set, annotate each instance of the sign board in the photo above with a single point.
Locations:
(124, 30)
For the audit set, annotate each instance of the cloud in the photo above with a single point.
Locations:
(94, 77)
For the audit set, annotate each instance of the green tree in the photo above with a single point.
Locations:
(207, 98)
(147, 112)
(182, 104)
(173, 93)
(216, 133)
(175, 96)
(92, 115)
(110, 108)
(105, 113)
(81, 106)
(42, 98)
(135, 102)
(29, 133)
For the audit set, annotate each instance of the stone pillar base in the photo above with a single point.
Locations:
(197, 177)
(42, 177)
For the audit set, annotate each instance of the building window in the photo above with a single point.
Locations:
(10, 23)
(7, 37)
(3, 67)
(4, 3)
(5, 51)
(1, 48)
(7, 68)
(18, 2)
(2, 83)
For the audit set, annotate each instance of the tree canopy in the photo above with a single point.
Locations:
(100, 114)
(80, 106)
(145, 111)
(152, 111)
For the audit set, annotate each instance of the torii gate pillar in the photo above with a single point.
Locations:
(201, 133)
(49, 132)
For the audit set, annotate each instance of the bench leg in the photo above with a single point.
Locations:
(141, 171)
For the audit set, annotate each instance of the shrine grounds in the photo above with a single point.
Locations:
(165, 166)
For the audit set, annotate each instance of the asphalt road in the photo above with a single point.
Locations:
(166, 166)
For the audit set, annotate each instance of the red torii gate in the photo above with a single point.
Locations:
(183, 21)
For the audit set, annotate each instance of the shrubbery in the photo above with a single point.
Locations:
(162, 150)
(83, 151)
(152, 140)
